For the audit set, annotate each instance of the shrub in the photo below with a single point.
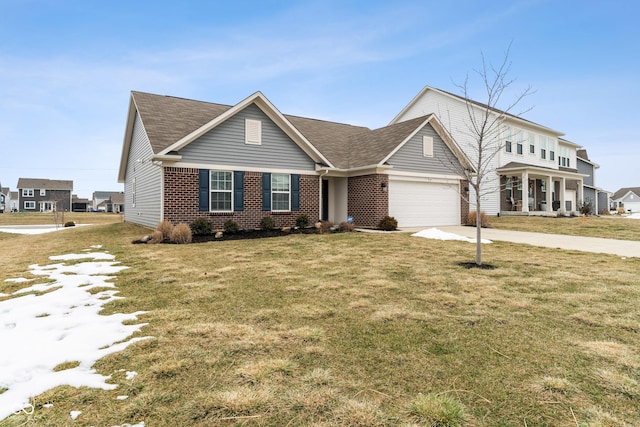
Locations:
(586, 208)
(347, 227)
(267, 223)
(156, 237)
(181, 233)
(231, 227)
(388, 223)
(69, 224)
(201, 227)
(325, 227)
(437, 410)
(302, 221)
(484, 219)
(166, 228)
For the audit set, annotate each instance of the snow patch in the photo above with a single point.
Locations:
(434, 233)
(63, 324)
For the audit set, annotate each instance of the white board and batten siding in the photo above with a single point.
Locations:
(226, 145)
(424, 191)
(148, 181)
(453, 115)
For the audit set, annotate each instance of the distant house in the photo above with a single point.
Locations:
(627, 198)
(108, 201)
(598, 197)
(44, 195)
(4, 198)
(12, 202)
(80, 205)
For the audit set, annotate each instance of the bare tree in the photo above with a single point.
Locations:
(484, 131)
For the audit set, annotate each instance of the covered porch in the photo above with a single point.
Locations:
(535, 190)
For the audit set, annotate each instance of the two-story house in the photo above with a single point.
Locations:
(536, 170)
(44, 195)
(4, 199)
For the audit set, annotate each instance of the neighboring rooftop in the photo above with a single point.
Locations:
(44, 184)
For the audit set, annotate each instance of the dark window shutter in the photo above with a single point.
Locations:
(266, 191)
(295, 192)
(203, 190)
(238, 191)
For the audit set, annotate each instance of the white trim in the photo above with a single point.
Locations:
(425, 179)
(29, 202)
(26, 190)
(241, 168)
(280, 192)
(396, 174)
(221, 191)
(43, 191)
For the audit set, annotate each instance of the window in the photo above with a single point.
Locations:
(507, 138)
(280, 192)
(28, 193)
(221, 191)
(30, 205)
(543, 147)
(43, 192)
(552, 150)
(252, 132)
(532, 143)
(519, 144)
(427, 146)
(509, 188)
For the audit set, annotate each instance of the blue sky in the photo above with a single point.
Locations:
(67, 68)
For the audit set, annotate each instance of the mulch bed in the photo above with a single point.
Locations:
(252, 234)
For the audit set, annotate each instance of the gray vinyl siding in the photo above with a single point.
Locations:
(409, 157)
(225, 145)
(589, 195)
(603, 202)
(147, 210)
(587, 169)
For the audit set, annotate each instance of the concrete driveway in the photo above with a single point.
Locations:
(626, 248)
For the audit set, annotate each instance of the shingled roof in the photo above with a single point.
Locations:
(44, 184)
(623, 192)
(168, 119)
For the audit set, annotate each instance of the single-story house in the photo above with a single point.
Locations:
(184, 159)
(80, 205)
(627, 198)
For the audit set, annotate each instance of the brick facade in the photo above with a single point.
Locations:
(181, 200)
(367, 202)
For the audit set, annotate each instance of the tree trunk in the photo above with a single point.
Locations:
(478, 231)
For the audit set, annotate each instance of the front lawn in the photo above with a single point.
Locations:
(606, 226)
(356, 329)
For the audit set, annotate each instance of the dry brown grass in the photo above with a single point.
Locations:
(347, 329)
(609, 226)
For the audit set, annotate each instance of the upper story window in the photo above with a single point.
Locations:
(507, 140)
(43, 192)
(543, 147)
(252, 132)
(280, 192)
(519, 143)
(27, 192)
(427, 146)
(532, 143)
(221, 191)
(552, 150)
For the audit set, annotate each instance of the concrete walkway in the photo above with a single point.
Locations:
(626, 248)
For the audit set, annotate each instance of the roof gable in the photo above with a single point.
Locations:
(458, 98)
(623, 192)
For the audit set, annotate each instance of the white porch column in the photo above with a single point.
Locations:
(580, 195)
(563, 204)
(549, 192)
(525, 191)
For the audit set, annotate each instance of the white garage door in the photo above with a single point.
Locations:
(424, 204)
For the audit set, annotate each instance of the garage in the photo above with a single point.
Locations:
(424, 204)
